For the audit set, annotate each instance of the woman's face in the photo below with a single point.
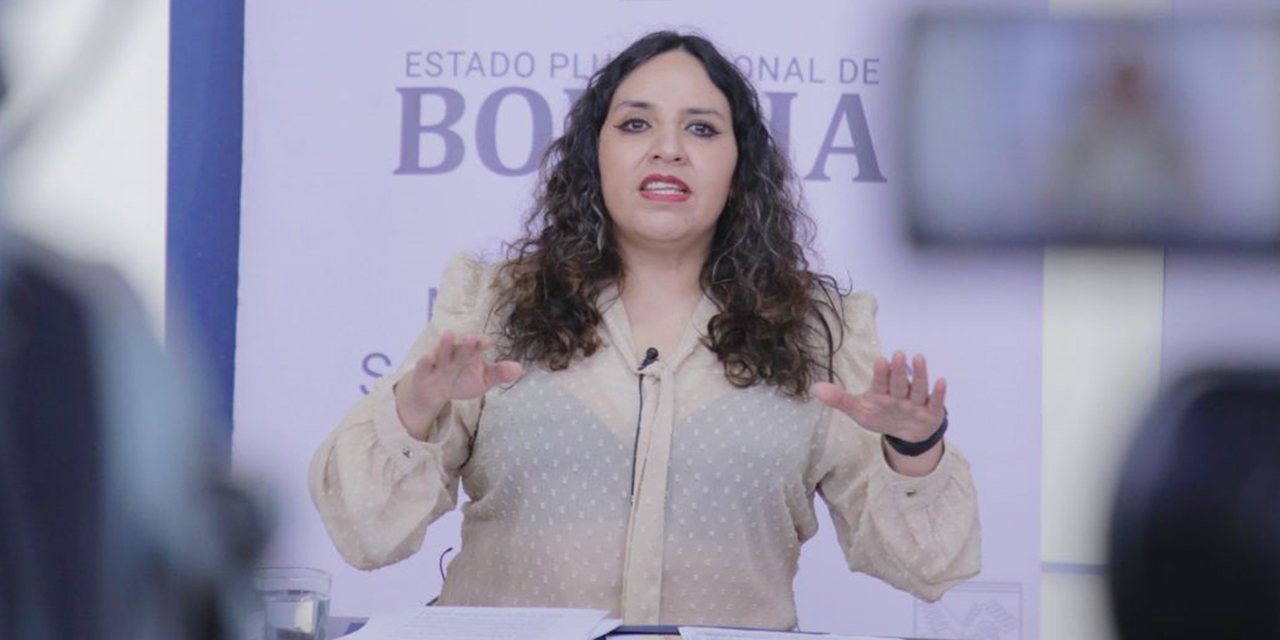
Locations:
(667, 154)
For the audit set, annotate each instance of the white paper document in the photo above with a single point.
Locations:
(485, 623)
(709, 633)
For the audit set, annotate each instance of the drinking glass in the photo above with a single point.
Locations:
(295, 602)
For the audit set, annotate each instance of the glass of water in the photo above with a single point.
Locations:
(295, 602)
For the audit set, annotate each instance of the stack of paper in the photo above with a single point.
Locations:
(709, 633)
(486, 623)
(503, 623)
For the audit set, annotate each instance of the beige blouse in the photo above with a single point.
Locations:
(705, 528)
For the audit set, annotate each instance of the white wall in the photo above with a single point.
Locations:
(1102, 310)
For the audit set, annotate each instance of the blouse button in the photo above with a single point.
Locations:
(406, 453)
(910, 492)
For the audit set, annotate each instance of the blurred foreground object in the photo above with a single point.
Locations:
(114, 519)
(1195, 532)
(1025, 130)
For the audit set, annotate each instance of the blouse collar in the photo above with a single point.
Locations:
(618, 326)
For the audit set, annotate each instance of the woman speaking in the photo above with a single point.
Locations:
(643, 398)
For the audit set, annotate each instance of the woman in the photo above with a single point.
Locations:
(646, 442)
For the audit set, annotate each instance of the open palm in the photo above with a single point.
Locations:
(897, 403)
(454, 370)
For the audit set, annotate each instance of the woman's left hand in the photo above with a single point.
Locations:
(897, 404)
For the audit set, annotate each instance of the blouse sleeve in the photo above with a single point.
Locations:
(920, 535)
(375, 486)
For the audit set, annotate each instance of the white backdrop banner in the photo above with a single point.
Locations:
(381, 138)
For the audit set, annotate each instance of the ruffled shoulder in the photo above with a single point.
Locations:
(860, 347)
(466, 295)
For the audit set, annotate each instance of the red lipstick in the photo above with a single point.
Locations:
(664, 188)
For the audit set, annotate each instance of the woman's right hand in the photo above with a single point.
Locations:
(455, 370)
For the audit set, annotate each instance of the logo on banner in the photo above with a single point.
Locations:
(431, 114)
(973, 611)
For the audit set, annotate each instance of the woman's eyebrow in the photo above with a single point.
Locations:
(692, 111)
(634, 104)
(705, 111)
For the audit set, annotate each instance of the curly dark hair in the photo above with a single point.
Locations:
(775, 317)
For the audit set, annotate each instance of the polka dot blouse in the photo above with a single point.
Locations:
(664, 495)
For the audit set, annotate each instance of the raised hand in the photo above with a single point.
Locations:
(455, 370)
(897, 404)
